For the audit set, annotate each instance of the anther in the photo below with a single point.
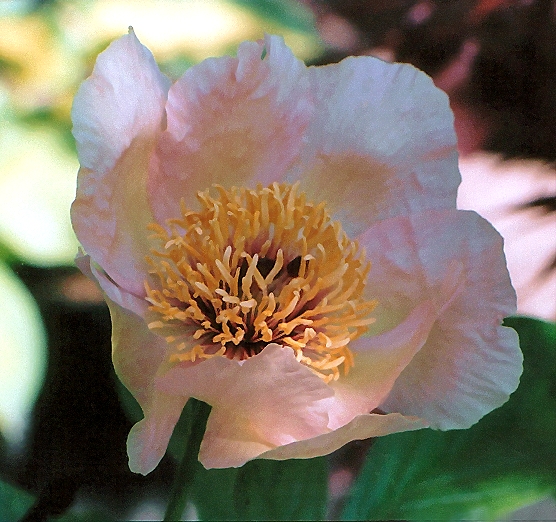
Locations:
(251, 268)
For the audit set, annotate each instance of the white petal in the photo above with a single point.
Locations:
(114, 292)
(470, 364)
(138, 356)
(231, 121)
(137, 353)
(124, 98)
(266, 401)
(382, 142)
(148, 439)
(378, 362)
(362, 427)
(117, 115)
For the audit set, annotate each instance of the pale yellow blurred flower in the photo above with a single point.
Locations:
(36, 189)
(22, 356)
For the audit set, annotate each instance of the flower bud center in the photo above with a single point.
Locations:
(254, 267)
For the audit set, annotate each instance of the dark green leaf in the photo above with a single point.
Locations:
(8, 256)
(287, 490)
(130, 406)
(181, 433)
(505, 461)
(264, 490)
(196, 414)
(213, 493)
(14, 502)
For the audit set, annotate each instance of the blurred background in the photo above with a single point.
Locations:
(63, 416)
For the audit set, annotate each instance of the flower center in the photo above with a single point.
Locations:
(254, 267)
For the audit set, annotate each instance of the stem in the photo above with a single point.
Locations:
(185, 473)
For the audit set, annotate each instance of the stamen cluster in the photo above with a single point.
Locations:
(253, 267)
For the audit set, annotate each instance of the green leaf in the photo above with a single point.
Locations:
(263, 490)
(177, 65)
(282, 490)
(288, 14)
(502, 463)
(14, 502)
(7, 255)
(182, 432)
(23, 354)
(197, 417)
(213, 493)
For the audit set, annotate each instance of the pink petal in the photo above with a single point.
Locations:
(264, 402)
(83, 262)
(148, 439)
(230, 121)
(137, 353)
(123, 98)
(138, 356)
(379, 360)
(382, 142)
(361, 427)
(115, 293)
(117, 114)
(469, 364)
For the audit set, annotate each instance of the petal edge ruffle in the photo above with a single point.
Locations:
(117, 115)
(231, 121)
(469, 364)
(257, 404)
(382, 138)
(361, 427)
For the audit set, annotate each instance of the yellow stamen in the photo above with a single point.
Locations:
(254, 267)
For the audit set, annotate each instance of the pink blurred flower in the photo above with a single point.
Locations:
(501, 191)
(258, 299)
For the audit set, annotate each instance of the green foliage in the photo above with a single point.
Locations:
(213, 493)
(287, 13)
(196, 414)
(176, 66)
(130, 406)
(504, 462)
(288, 490)
(7, 255)
(182, 432)
(260, 490)
(263, 490)
(14, 502)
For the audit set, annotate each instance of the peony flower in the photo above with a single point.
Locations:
(282, 243)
